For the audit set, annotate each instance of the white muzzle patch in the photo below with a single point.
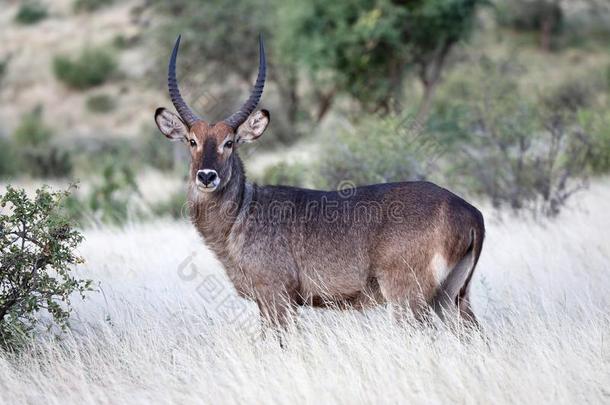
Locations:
(207, 180)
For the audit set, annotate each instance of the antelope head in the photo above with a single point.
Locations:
(212, 145)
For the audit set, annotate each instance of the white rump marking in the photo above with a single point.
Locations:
(439, 267)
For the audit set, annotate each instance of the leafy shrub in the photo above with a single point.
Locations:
(598, 125)
(31, 12)
(90, 5)
(571, 95)
(38, 253)
(557, 23)
(379, 149)
(9, 165)
(529, 15)
(155, 151)
(51, 162)
(92, 67)
(544, 17)
(110, 199)
(32, 130)
(121, 41)
(175, 207)
(515, 149)
(285, 174)
(101, 104)
(38, 156)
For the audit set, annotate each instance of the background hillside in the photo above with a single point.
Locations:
(28, 81)
(81, 79)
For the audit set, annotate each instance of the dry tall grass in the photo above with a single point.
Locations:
(158, 333)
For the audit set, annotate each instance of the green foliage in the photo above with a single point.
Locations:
(361, 48)
(38, 254)
(512, 147)
(557, 24)
(175, 207)
(30, 12)
(598, 125)
(90, 5)
(37, 155)
(228, 53)
(364, 47)
(379, 149)
(110, 199)
(286, 174)
(8, 163)
(530, 15)
(32, 131)
(91, 68)
(218, 48)
(571, 95)
(101, 104)
(155, 151)
(121, 41)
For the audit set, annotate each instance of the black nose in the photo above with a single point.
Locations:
(206, 177)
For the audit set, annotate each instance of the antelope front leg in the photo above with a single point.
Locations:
(276, 311)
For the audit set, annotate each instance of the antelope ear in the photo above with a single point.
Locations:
(171, 125)
(254, 126)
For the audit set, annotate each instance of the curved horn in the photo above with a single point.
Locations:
(185, 112)
(235, 120)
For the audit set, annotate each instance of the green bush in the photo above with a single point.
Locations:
(378, 150)
(31, 12)
(32, 131)
(528, 15)
(571, 95)
(121, 41)
(37, 155)
(598, 125)
(92, 67)
(176, 207)
(286, 174)
(9, 165)
(90, 5)
(38, 254)
(101, 104)
(110, 199)
(47, 162)
(155, 151)
(521, 149)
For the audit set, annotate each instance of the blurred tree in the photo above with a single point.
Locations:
(365, 47)
(31, 12)
(37, 154)
(219, 46)
(317, 50)
(523, 149)
(545, 17)
(556, 24)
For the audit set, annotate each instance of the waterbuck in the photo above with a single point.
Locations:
(410, 244)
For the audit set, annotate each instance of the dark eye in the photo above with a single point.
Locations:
(229, 144)
(193, 143)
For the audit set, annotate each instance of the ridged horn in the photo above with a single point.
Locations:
(183, 109)
(238, 118)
